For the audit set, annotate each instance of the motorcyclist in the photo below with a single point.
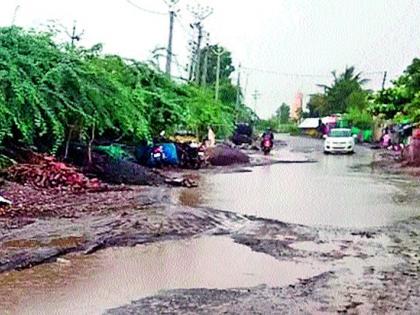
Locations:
(268, 134)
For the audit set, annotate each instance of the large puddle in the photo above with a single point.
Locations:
(116, 276)
(329, 192)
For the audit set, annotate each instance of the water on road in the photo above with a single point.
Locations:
(116, 276)
(332, 191)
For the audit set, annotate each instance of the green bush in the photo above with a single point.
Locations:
(51, 94)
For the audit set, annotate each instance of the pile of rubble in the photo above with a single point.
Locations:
(45, 172)
(223, 155)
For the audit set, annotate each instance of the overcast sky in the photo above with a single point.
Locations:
(286, 45)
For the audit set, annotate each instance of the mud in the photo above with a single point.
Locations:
(45, 239)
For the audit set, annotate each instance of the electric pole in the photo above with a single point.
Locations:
(219, 51)
(198, 52)
(256, 95)
(384, 80)
(190, 69)
(205, 66)
(171, 4)
(74, 36)
(200, 13)
(15, 14)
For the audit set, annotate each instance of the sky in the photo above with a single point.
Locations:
(284, 46)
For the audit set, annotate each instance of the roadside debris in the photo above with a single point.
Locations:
(63, 261)
(182, 182)
(223, 155)
(4, 201)
(48, 173)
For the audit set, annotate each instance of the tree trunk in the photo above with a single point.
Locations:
(92, 138)
(66, 152)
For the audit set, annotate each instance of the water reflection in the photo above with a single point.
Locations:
(114, 277)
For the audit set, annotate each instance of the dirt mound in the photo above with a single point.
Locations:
(223, 155)
(411, 154)
(120, 171)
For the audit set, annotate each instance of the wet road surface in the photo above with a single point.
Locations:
(116, 276)
(333, 193)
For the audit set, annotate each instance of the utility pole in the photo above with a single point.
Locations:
(256, 95)
(191, 65)
(200, 13)
(15, 14)
(198, 54)
(205, 66)
(384, 80)
(74, 36)
(219, 51)
(171, 4)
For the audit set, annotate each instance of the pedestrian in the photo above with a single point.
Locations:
(211, 137)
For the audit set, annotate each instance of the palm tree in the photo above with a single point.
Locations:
(344, 85)
(347, 76)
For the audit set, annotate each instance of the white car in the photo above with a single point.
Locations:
(339, 140)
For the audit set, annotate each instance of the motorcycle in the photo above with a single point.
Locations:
(191, 156)
(266, 145)
(157, 156)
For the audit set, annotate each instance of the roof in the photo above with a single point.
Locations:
(329, 120)
(309, 123)
(341, 129)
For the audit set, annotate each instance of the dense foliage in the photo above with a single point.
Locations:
(51, 92)
(346, 96)
(345, 93)
(401, 101)
(208, 64)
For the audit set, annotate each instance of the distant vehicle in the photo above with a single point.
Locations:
(242, 134)
(266, 145)
(339, 140)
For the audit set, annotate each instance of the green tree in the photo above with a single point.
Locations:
(52, 94)
(402, 100)
(283, 113)
(226, 64)
(345, 92)
(318, 105)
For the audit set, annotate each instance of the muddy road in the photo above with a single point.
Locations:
(326, 237)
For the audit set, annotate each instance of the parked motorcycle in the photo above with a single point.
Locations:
(191, 156)
(157, 156)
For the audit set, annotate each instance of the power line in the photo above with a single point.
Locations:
(144, 9)
(303, 74)
(285, 73)
(184, 28)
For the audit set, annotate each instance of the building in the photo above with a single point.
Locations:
(297, 106)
